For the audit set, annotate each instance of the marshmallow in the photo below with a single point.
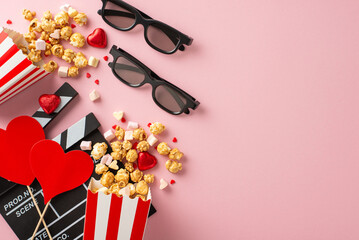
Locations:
(109, 135)
(94, 95)
(163, 184)
(113, 165)
(63, 71)
(106, 159)
(86, 145)
(40, 44)
(118, 115)
(132, 125)
(93, 62)
(65, 7)
(55, 34)
(128, 136)
(152, 140)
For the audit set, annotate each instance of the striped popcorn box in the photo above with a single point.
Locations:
(109, 217)
(16, 71)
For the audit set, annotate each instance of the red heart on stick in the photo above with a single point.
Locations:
(97, 38)
(49, 102)
(56, 171)
(15, 146)
(146, 161)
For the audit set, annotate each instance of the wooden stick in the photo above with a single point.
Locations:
(39, 222)
(39, 212)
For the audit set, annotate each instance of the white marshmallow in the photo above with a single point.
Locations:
(132, 125)
(163, 184)
(40, 44)
(128, 136)
(86, 145)
(118, 115)
(152, 140)
(55, 34)
(63, 71)
(94, 95)
(109, 135)
(93, 62)
(106, 159)
(65, 7)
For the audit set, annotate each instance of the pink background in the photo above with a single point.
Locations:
(272, 151)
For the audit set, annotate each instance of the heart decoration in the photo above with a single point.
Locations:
(97, 38)
(16, 143)
(56, 171)
(146, 161)
(49, 102)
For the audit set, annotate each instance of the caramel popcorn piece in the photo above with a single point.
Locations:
(129, 167)
(30, 36)
(163, 148)
(62, 18)
(72, 12)
(101, 169)
(136, 175)
(32, 46)
(48, 49)
(115, 189)
(143, 146)
(34, 56)
(141, 196)
(69, 55)
(22, 48)
(46, 16)
(48, 25)
(139, 134)
(35, 25)
(66, 33)
(73, 71)
(173, 166)
(122, 177)
(44, 36)
(116, 146)
(149, 178)
(107, 179)
(99, 150)
(119, 155)
(127, 145)
(142, 188)
(120, 133)
(77, 40)
(28, 15)
(57, 50)
(175, 154)
(132, 189)
(80, 19)
(80, 60)
(131, 156)
(54, 41)
(157, 128)
(50, 66)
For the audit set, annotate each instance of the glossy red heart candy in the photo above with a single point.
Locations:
(56, 171)
(49, 102)
(16, 143)
(97, 38)
(146, 161)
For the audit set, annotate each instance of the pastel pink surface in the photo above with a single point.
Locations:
(276, 133)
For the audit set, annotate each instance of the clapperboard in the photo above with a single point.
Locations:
(66, 213)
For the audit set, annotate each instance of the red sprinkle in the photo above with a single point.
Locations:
(134, 146)
(97, 81)
(73, 25)
(134, 165)
(174, 139)
(123, 119)
(173, 181)
(88, 75)
(46, 55)
(9, 21)
(105, 58)
(114, 126)
(48, 41)
(149, 124)
(156, 147)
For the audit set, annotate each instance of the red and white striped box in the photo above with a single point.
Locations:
(16, 71)
(109, 217)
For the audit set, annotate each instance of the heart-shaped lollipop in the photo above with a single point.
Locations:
(146, 161)
(49, 102)
(56, 171)
(97, 38)
(15, 146)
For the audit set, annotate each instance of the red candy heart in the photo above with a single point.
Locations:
(15, 146)
(56, 171)
(49, 102)
(97, 38)
(146, 161)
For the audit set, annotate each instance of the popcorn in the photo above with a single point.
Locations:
(106, 159)
(163, 184)
(113, 165)
(152, 140)
(34, 56)
(65, 8)
(149, 178)
(128, 135)
(48, 49)
(46, 16)
(28, 15)
(175, 154)
(141, 196)
(101, 169)
(40, 44)
(131, 156)
(132, 189)
(163, 148)
(118, 115)
(132, 125)
(115, 189)
(129, 167)
(122, 177)
(157, 128)
(93, 62)
(143, 146)
(44, 36)
(73, 71)
(72, 12)
(80, 19)
(69, 55)
(23, 48)
(173, 166)
(109, 135)
(125, 191)
(136, 175)
(35, 26)
(55, 34)
(77, 40)
(116, 146)
(57, 50)
(48, 25)
(127, 145)
(94, 95)
(29, 36)
(119, 155)
(107, 179)
(32, 45)
(65, 33)
(80, 60)
(86, 145)
(50, 66)
(62, 18)
(54, 41)
(99, 150)
(142, 188)
(120, 133)
(63, 71)
(139, 134)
